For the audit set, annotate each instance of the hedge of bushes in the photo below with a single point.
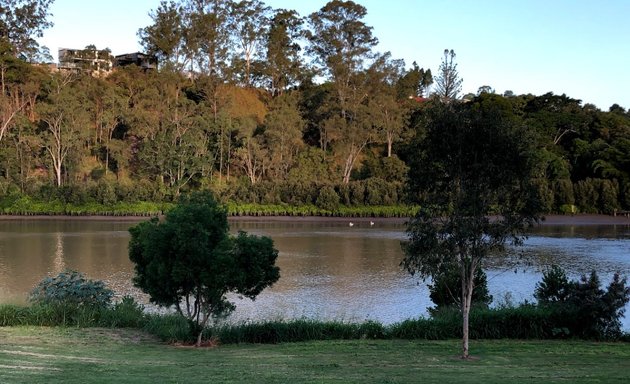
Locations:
(523, 322)
(357, 198)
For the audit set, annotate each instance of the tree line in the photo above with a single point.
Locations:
(266, 106)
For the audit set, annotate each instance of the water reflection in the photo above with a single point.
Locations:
(59, 265)
(33, 249)
(328, 269)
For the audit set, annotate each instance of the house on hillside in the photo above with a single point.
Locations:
(101, 62)
(142, 60)
(89, 59)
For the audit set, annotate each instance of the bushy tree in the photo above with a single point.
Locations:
(189, 260)
(554, 286)
(594, 312)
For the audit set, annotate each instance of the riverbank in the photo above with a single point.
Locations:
(580, 219)
(96, 355)
(585, 219)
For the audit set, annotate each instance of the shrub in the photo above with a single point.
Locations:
(357, 193)
(586, 309)
(273, 332)
(71, 288)
(170, 328)
(125, 314)
(327, 198)
(554, 286)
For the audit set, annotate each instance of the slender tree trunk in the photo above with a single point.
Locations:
(465, 327)
(468, 274)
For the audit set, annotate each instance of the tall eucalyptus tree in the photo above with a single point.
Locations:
(21, 22)
(249, 20)
(283, 61)
(341, 43)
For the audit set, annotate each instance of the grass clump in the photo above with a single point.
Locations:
(274, 332)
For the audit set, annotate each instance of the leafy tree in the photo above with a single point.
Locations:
(340, 43)
(283, 52)
(250, 22)
(448, 84)
(105, 107)
(594, 312)
(241, 142)
(283, 133)
(385, 112)
(414, 83)
(555, 117)
(484, 89)
(63, 120)
(11, 104)
(554, 286)
(21, 22)
(208, 38)
(165, 37)
(474, 162)
(252, 156)
(190, 261)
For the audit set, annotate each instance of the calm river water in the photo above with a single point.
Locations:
(329, 270)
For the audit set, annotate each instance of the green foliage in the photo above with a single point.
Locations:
(563, 193)
(274, 332)
(545, 194)
(170, 328)
(127, 313)
(73, 289)
(445, 290)
(190, 261)
(311, 210)
(588, 310)
(608, 197)
(554, 286)
(90, 144)
(587, 195)
(475, 161)
(327, 199)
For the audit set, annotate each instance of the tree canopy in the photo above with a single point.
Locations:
(21, 22)
(272, 117)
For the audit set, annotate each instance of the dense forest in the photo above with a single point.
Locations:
(266, 106)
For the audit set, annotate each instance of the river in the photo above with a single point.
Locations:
(329, 269)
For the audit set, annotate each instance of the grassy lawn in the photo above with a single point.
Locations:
(70, 355)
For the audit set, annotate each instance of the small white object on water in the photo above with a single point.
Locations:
(351, 224)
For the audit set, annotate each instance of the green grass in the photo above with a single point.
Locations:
(96, 355)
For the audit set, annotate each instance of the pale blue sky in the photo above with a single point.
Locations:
(577, 47)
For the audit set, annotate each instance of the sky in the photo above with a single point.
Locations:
(577, 47)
